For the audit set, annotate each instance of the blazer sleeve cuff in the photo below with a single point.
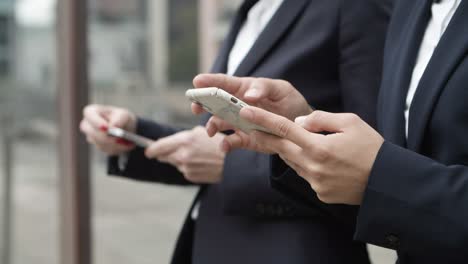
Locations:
(399, 209)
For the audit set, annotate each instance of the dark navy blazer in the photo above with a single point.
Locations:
(417, 198)
(416, 201)
(332, 51)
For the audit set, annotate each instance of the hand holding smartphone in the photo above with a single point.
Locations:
(224, 105)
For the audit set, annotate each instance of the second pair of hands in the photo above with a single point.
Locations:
(192, 152)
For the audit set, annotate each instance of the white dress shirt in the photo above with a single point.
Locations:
(442, 14)
(257, 19)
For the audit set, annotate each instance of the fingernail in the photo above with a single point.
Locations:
(210, 131)
(124, 142)
(247, 113)
(103, 128)
(300, 120)
(252, 93)
(225, 147)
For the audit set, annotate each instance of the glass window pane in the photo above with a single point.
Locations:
(28, 113)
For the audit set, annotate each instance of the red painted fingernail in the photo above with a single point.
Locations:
(103, 128)
(123, 142)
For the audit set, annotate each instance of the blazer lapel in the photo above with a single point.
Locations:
(452, 48)
(276, 28)
(398, 72)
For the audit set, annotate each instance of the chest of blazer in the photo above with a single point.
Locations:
(438, 129)
(438, 119)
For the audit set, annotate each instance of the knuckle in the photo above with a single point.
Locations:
(178, 160)
(313, 171)
(191, 177)
(318, 175)
(188, 155)
(254, 141)
(182, 158)
(223, 78)
(323, 192)
(318, 188)
(259, 82)
(188, 139)
(283, 128)
(316, 116)
(286, 83)
(301, 172)
(323, 153)
(323, 198)
(352, 118)
(89, 109)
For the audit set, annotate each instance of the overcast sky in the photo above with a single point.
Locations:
(35, 12)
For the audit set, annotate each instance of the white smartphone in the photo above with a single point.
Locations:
(224, 105)
(131, 137)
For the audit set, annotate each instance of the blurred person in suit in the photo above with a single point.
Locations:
(331, 50)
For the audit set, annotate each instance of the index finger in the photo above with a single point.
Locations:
(280, 126)
(164, 146)
(197, 109)
(216, 125)
(231, 84)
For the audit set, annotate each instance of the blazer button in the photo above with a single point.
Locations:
(392, 240)
(289, 211)
(261, 209)
(270, 210)
(280, 210)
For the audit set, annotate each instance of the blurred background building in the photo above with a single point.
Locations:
(142, 55)
(6, 36)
